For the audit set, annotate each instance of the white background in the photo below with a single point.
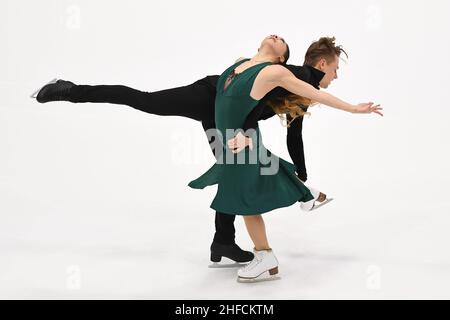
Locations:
(94, 200)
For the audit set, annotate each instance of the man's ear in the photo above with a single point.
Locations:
(323, 63)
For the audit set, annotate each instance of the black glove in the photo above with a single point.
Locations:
(302, 176)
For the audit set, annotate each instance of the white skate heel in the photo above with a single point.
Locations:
(34, 94)
(264, 267)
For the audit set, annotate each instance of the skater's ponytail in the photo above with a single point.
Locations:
(286, 55)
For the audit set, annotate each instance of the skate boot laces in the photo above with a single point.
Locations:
(254, 263)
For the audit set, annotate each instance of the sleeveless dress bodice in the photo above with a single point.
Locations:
(253, 181)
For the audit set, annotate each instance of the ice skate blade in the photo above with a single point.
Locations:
(34, 94)
(260, 278)
(216, 265)
(328, 200)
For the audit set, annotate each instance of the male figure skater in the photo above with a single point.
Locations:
(196, 101)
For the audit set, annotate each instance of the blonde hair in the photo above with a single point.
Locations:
(290, 107)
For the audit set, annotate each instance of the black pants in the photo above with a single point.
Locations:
(195, 101)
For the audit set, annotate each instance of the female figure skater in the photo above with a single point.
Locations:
(247, 187)
(196, 101)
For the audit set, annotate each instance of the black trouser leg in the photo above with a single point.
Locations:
(195, 101)
(225, 231)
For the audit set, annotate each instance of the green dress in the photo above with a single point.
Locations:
(250, 182)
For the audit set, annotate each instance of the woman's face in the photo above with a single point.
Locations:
(276, 43)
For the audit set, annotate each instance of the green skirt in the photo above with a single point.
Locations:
(253, 188)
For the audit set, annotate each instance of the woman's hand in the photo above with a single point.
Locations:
(239, 143)
(368, 108)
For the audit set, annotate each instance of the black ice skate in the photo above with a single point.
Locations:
(55, 90)
(230, 251)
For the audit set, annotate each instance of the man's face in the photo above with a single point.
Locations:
(330, 70)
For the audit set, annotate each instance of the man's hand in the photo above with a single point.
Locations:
(368, 108)
(302, 178)
(239, 143)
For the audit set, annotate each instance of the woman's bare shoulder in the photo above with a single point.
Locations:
(278, 68)
(275, 71)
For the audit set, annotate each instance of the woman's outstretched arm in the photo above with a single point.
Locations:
(282, 77)
(278, 76)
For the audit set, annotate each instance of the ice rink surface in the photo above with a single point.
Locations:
(94, 201)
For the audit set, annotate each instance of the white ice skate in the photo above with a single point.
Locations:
(263, 267)
(314, 203)
(34, 94)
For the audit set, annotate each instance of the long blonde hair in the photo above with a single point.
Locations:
(290, 107)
